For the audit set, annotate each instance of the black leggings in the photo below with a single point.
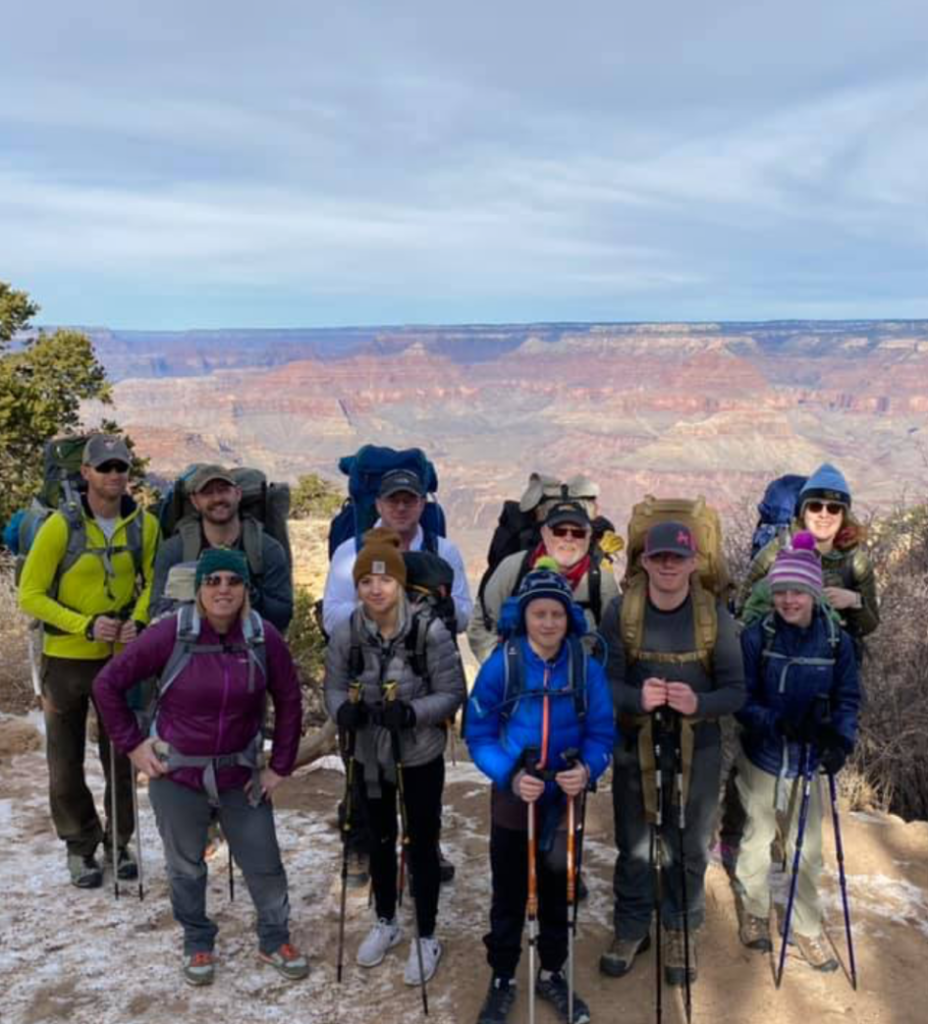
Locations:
(423, 785)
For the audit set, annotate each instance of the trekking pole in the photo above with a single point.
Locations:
(800, 835)
(114, 830)
(389, 696)
(136, 818)
(681, 832)
(839, 852)
(532, 912)
(570, 758)
(231, 874)
(657, 858)
(354, 695)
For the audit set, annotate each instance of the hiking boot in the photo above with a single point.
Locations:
(288, 961)
(358, 873)
(431, 954)
(199, 968)
(383, 936)
(675, 957)
(501, 995)
(85, 871)
(755, 933)
(445, 868)
(619, 958)
(553, 989)
(126, 868)
(815, 952)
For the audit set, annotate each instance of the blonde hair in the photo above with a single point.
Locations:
(243, 613)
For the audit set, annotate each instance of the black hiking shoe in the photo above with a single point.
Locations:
(501, 995)
(553, 989)
(126, 868)
(619, 958)
(85, 871)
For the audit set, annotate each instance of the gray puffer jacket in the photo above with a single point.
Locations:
(435, 696)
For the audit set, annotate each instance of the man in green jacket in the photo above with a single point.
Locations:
(87, 579)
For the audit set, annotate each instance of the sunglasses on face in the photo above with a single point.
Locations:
(577, 532)
(232, 580)
(112, 467)
(833, 508)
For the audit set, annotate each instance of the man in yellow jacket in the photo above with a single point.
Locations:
(87, 579)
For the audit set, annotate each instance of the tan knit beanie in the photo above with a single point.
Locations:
(381, 556)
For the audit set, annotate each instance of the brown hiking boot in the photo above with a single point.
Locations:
(619, 958)
(815, 952)
(755, 932)
(675, 957)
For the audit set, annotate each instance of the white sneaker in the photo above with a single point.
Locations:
(383, 936)
(431, 954)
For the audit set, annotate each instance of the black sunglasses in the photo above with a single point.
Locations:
(834, 508)
(112, 467)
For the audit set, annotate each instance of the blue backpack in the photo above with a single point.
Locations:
(777, 509)
(365, 469)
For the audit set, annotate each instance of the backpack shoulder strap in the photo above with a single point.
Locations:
(415, 644)
(186, 636)
(513, 678)
(631, 618)
(705, 622)
(578, 673)
(191, 536)
(253, 543)
(135, 542)
(594, 580)
(355, 654)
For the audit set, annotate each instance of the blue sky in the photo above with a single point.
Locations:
(298, 163)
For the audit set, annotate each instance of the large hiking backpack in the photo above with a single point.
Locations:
(365, 470)
(777, 509)
(61, 491)
(709, 583)
(429, 584)
(519, 529)
(264, 507)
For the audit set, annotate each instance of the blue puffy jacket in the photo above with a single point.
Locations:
(497, 736)
(779, 686)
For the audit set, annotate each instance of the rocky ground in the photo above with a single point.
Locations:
(83, 956)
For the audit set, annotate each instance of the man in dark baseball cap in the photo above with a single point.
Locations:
(103, 448)
(567, 512)
(670, 538)
(206, 474)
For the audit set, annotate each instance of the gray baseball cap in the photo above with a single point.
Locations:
(101, 448)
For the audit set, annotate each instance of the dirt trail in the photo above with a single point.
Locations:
(85, 957)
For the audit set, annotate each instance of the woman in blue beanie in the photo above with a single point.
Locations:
(824, 510)
(539, 723)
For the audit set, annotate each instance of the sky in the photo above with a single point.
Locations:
(178, 165)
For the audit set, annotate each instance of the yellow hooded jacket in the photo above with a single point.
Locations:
(87, 589)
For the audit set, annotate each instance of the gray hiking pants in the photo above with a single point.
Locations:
(66, 695)
(634, 878)
(183, 816)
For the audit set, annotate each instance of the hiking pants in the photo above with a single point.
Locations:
(183, 816)
(758, 793)
(633, 881)
(509, 867)
(423, 786)
(66, 694)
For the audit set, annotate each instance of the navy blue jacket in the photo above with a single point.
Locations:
(781, 688)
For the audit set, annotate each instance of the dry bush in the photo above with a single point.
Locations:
(15, 679)
(891, 754)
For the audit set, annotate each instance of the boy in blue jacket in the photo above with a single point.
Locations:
(539, 704)
(803, 696)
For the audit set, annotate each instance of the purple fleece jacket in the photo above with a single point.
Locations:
(207, 709)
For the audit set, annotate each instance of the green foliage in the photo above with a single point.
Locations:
(42, 384)
(314, 497)
(305, 638)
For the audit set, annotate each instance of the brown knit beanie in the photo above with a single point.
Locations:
(381, 556)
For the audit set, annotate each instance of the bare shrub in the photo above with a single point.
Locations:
(15, 680)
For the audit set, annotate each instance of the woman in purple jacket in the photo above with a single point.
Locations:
(216, 663)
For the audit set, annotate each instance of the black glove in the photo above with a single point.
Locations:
(803, 731)
(397, 714)
(351, 716)
(832, 758)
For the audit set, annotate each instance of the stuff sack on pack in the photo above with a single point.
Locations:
(777, 509)
(365, 470)
(265, 506)
(61, 490)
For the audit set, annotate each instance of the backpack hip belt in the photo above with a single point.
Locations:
(251, 757)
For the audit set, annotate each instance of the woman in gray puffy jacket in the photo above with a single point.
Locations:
(387, 686)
